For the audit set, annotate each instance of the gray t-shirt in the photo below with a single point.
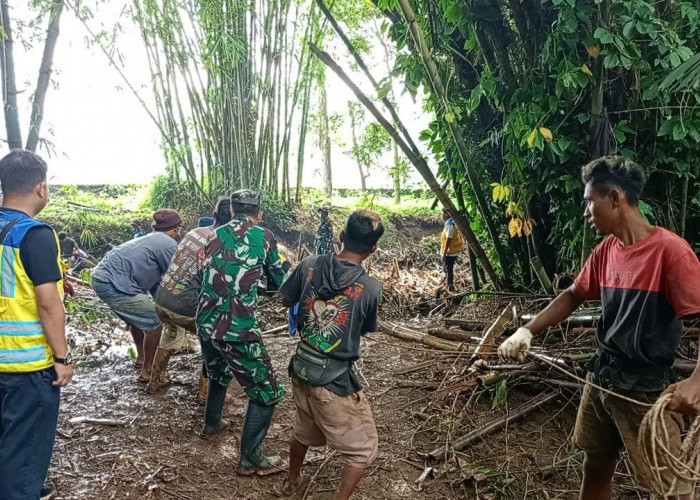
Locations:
(138, 265)
(338, 303)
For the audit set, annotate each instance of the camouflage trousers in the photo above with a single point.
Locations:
(249, 362)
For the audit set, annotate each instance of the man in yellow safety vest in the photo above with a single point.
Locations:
(33, 350)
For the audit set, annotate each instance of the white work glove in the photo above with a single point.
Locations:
(516, 346)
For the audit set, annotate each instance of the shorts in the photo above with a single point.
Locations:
(605, 425)
(136, 310)
(344, 422)
(248, 362)
(175, 328)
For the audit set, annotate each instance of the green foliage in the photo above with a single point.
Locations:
(524, 86)
(96, 217)
(500, 395)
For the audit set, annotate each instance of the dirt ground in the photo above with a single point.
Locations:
(156, 451)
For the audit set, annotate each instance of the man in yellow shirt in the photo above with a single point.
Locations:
(451, 245)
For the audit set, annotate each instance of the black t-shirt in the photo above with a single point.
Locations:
(39, 254)
(338, 303)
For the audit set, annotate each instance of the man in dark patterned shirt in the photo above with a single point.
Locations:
(237, 256)
(324, 234)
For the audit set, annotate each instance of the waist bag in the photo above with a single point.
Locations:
(315, 368)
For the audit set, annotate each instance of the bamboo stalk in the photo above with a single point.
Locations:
(486, 346)
(496, 425)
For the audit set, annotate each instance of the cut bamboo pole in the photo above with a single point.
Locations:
(486, 346)
(405, 333)
(496, 425)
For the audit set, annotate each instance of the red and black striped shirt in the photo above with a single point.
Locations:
(645, 289)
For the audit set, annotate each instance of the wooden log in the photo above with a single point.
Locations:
(405, 333)
(448, 334)
(489, 379)
(486, 346)
(496, 425)
(466, 324)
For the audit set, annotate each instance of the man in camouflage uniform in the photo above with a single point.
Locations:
(237, 257)
(324, 234)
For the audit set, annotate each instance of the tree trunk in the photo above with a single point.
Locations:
(418, 162)
(456, 132)
(353, 131)
(44, 79)
(596, 113)
(325, 142)
(397, 176)
(9, 86)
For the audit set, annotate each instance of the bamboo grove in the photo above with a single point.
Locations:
(523, 92)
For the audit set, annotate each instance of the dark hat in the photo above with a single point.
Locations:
(165, 220)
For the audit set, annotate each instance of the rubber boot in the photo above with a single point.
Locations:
(257, 422)
(159, 379)
(216, 397)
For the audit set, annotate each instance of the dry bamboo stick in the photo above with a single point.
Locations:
(496, 425)
(405, 333)
(486, 346)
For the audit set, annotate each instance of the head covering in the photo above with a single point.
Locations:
(135, 222)
(325, 207)
(246, 197)
(165, 220)
(205, 221)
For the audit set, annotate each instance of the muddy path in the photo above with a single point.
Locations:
(155, 450)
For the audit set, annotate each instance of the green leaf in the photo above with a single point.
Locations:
(679, 131)
(651, 92)
(425, 135)
(449, 117)
(603, 35)
(500, 395)
(667, 127)
(383, 89)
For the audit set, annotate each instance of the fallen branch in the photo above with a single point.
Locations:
(100, 421)
(277, 329)
(466, 324)
(405, 333)
(456, 335)
(486, 346)
(415, 368)
(496, 425)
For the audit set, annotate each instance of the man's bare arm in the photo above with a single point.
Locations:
(556, 311)
(517, 345)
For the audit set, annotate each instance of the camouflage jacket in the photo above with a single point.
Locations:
(236, 257)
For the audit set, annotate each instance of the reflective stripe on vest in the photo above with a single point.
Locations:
(23, 345)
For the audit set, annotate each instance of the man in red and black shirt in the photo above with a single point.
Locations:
(647, 279)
